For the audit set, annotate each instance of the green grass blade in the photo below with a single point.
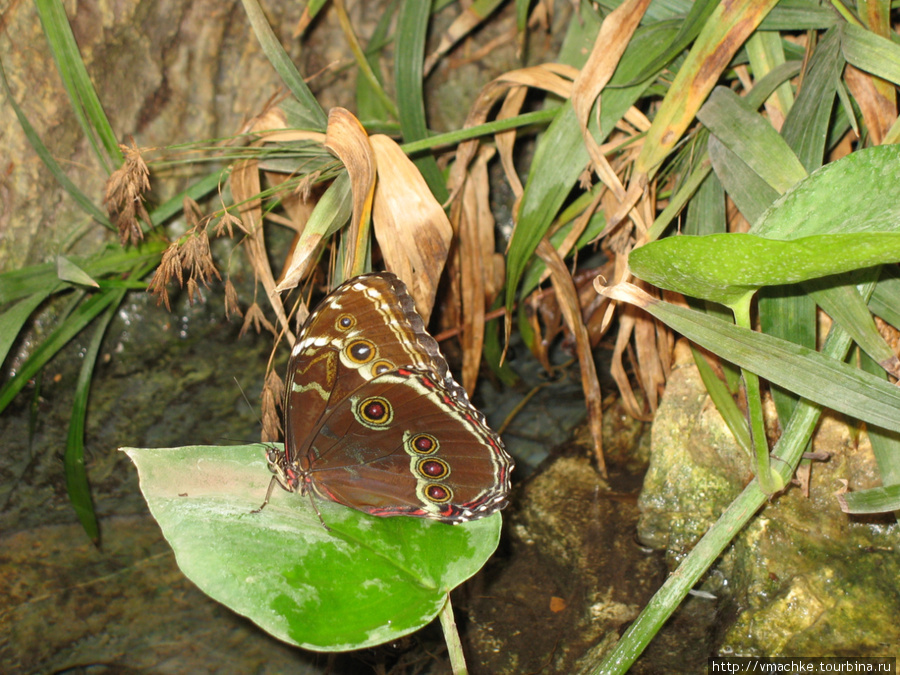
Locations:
(316, 120)
(797, 15)
(522, 7)
(766, 53)
(721, 397)
(752, 139)
(808, 373)
(870, 52)
(873, 500)
(85, 102)
(683, 196)
(372, 103)
(196, 192)
(86, 312)
(885, 443)
(548, 186)
(750, 193)
(790, 314)
(12, 320)
(885, 301)
(18, 284)
(807, 124)
(706, 211)
(412, 28)
(69, 271)
(838, 297)
(77, 484)
(86, 204)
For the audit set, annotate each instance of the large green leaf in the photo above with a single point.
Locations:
(366, 581)
(726, 267)
(857, 193)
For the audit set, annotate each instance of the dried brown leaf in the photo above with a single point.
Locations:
(411, 227)
(878, 111)
(556, 78)
(506, 140)
(347, 140)
(609, 45)
(476, 252)
(571, 312)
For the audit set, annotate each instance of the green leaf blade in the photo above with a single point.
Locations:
(726, 267)
(810, 374)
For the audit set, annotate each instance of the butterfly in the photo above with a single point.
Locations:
(375, 421)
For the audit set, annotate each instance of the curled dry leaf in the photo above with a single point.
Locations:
(571, 312)
(649, 366)
(245, 187)
(506, 140)
(477, 263)
(347, 140)
(555, 78)
(411, 227)
(635, 298)
(609, 45)
(878, 107)
(624, 292)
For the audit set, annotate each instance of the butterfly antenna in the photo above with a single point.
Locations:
(247, 401)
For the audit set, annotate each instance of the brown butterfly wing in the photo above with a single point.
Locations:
(375, 421)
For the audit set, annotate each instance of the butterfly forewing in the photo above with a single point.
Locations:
(375, 421)
(367, 326)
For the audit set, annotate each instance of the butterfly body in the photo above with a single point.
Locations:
(375, 421)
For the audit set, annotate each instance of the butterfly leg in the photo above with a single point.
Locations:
(312, 500)
(268, 495)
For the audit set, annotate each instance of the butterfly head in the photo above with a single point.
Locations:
(288, 475)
